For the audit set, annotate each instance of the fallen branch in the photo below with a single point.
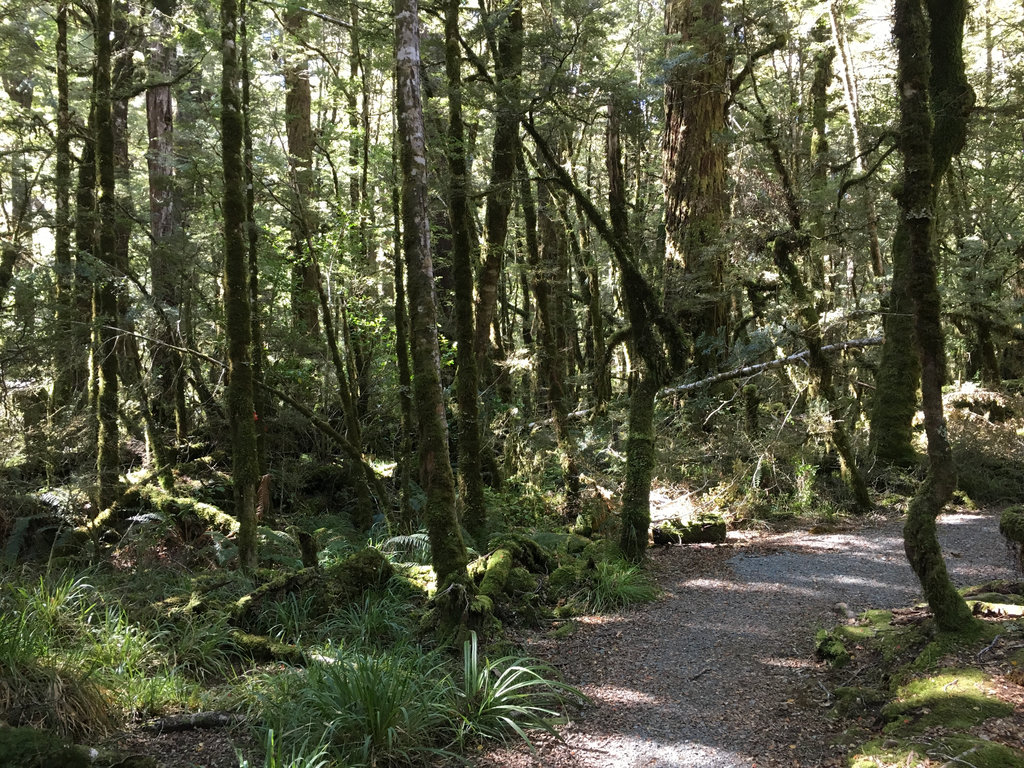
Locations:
(739, 373)
(192, 721)
(752, 370)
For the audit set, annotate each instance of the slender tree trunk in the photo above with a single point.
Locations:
(507, 48)
(406, 517)
(467, 389)
(62, 256)
(852, 102)
(261, 402)
(237, 311)
(542, 244)
(104, 298)
(935, 100)
(448, 552)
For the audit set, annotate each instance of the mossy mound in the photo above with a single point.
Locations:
(509, 579)
(339, 584)
(828, 647)
(946, 750)
(955, 699)
(33, 748)
(704, 530)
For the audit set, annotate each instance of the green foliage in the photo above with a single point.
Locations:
(508, 697)
(364, 708)
(275, 756)
(613, 585)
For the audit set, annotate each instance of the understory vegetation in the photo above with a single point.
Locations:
(324, 655)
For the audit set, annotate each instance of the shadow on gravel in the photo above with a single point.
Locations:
(721, 674)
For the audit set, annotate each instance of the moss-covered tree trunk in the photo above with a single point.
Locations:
(63, 263)
(298, 126)
(165, 256)
(543, 242)
(694, 166)
(237, 310)
(950, 99)
(926, 85)
(104, 297)
(261, 402)
(448, 550)
(474, 510)
(506, 43)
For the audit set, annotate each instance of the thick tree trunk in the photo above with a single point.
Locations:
(448, 551)
(929, 87)
(298, 125)
(694, 165)
(467, 388)
(237, 311)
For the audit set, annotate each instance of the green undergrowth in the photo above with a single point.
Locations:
(907, 694)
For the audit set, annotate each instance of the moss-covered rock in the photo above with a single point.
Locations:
(1011, 524)
(705, 530)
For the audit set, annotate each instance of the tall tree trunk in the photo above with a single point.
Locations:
(406, 518)
(507, 49)
(298, 124)
(165, 256)
(852, 101)
(104, 298)
(261, 401)
(62, 257)
(694, 167)
(237, 311)
(467, 388)
(935, 100)
(543, 242)
(448, 552)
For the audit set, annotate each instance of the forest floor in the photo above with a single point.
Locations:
(721, 672)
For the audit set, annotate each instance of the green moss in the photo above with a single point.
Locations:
(946, 750)
(830, 648)
(706, 530)
(32, 748)
(855, 701)
(955, 699)
(1011, 523)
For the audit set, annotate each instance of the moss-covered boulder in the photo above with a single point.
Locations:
(1011, 524)
(704, 530)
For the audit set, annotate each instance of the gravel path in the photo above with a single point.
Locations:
(720, 673)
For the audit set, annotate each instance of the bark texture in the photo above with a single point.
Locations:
(694, 165)
(474, 510)
(237, 311)
(925, 149)
(448, 551)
